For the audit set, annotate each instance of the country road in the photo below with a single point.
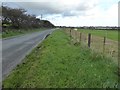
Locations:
(16, 48)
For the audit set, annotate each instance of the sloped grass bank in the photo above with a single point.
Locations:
(56, 63)
(15, 32)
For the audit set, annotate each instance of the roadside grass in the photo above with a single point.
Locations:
(110, 34)
(15, 32)
(0, 35)
(56, 63)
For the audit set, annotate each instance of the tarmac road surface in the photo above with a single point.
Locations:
(16, 48)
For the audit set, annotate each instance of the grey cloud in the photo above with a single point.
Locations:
(56, 7)
(41, 7)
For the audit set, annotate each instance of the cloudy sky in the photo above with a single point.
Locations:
(71, 12)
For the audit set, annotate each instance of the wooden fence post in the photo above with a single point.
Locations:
(89, 40)
(70, 36)
(76, 34)
(104, 44)
(80, 37)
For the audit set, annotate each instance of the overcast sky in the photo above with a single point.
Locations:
(71, 12)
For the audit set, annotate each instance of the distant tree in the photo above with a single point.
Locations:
(5, 18)
(12, 16)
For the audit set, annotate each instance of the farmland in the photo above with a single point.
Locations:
(58, 63)
(110, 34)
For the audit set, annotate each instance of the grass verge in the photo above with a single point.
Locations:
(0, 35)
(14, 32)
(56, 63)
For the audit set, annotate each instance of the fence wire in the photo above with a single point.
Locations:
(97, 43)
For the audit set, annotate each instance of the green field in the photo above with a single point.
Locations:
(113, 35)
(56, 63)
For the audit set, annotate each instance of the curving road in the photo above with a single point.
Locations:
(16, 48)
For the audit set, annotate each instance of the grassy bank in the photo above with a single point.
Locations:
(15, 32)
(110, 34)
(0, 35)
(57, 63)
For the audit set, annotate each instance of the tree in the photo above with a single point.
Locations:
(18, 18)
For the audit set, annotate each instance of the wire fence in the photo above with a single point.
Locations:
(96, 43)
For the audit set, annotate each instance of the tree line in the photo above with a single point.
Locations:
(18, 18)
